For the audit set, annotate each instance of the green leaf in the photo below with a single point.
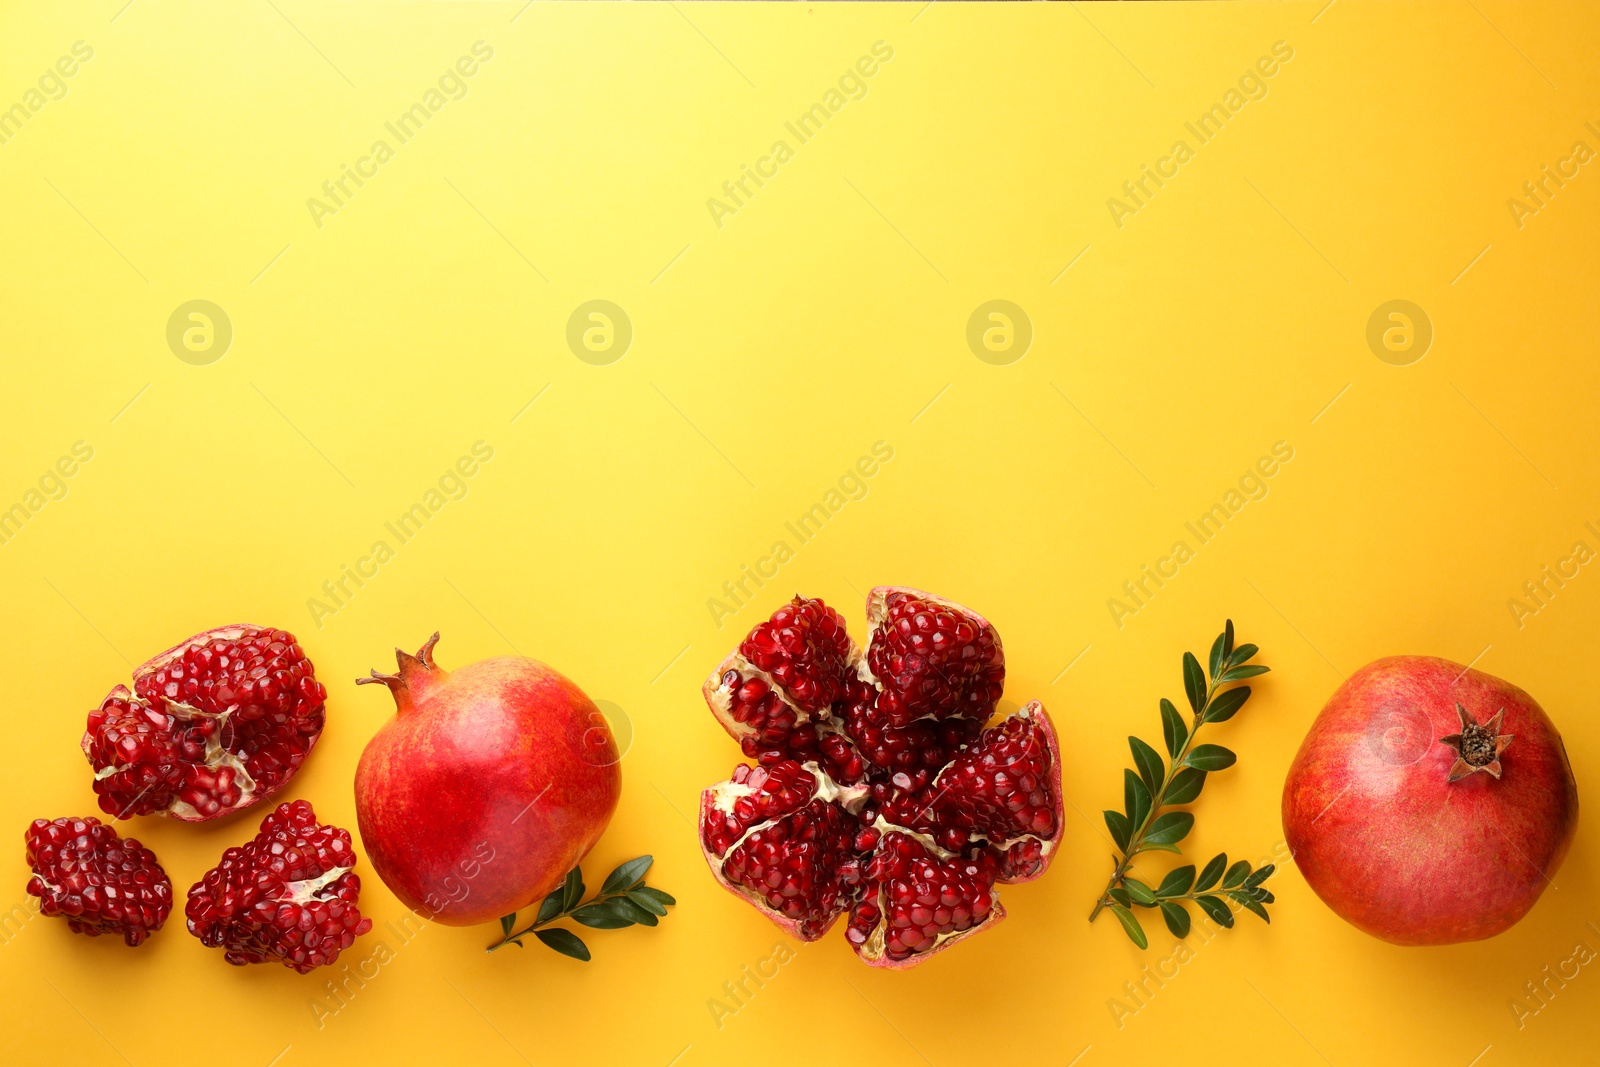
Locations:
(1148, 761)
(572, 890)
(1135, 799)
(1170, 828)
(1227, 639)
(1241, 654)
(1186, 785)
(1140, 892)
(1120, 895)
(565, 942)
(1194, 682)
(648, 903)
(627, 909)
(1131, 925)
(507, 924)
(1177, 919)
(1213, 872)
(600, 917)
(1257, 909)
(551, 906)
(626, 876)
(1227, 703)
(1210, 758)
(1177, 881)
(1172, 728)
(666, 900)
(1159, 846)
(1218, 654)
(1234, 674)
(1117, 823)
(1236, 875)
(1220, 913)
(1260, 876)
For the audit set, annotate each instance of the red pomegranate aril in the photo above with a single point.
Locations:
(288, 896)
(101, 883)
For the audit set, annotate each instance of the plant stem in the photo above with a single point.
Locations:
(537, 923)
(508, 938)
(1136, 838)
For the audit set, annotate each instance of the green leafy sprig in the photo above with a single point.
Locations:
(1142, 826)
(623, 900)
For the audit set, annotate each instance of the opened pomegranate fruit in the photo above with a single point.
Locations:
(212, 726)
(487, 786)
(99, 882)
(288, 896)
(1430, 803)
(878, 792)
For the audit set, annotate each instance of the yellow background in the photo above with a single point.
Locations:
(828, 313)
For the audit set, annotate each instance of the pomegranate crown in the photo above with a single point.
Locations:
(1478, 745)
(409, 667)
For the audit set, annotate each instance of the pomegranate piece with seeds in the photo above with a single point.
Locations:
(780, 684)
(212, 726)
(288, 896)
(919, 900)
(891, 803)
(99, 882)
(932, 658)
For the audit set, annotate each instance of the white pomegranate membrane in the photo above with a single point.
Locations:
(878, 792)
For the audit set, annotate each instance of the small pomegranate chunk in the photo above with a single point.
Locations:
(288, 896)
(889, 802)
(101, 883)
(211, 726)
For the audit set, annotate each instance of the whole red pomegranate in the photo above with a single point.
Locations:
(214, 724)
(1430, 803)
(490, 783)
(879, 793)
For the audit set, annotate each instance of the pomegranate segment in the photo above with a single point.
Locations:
(783, 679)
(932, 658)
(212, 726)
(288, 896)
(783, 839)
(891, 804)
(920, 900)
(101, 883)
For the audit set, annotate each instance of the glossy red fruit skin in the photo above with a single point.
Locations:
(1394, 847)
(489, 784)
